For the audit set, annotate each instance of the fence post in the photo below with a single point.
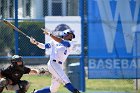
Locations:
(82, 74)
(16, 24)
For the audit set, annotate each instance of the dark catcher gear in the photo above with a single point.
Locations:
(12, 74)
(15, 59)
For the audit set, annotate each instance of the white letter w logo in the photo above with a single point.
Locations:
(123, 10)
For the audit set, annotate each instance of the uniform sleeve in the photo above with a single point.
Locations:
(26, 70)
(44, 46)
(49, 44)
(41, 45)
(65, 43)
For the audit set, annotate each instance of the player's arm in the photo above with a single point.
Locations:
(57, 39)
(38, 44)
(30, 71)
(4, 72)
(33, 71)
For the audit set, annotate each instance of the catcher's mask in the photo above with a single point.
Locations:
(15, 59)
(67, 32)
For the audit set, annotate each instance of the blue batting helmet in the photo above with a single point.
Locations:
(68, 31)
(65, 30)
(62, 27)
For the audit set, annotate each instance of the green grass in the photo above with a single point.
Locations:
(110, 85)
(92, 85)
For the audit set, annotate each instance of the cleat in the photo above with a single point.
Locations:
(33, 91)
(76, 91)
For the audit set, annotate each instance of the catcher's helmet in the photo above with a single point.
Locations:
(68, 31)
(16, 58)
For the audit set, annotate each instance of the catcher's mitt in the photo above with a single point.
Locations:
(34, 71)
(39, 71)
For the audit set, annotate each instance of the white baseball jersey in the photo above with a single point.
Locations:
(58, 56)
(59, 51)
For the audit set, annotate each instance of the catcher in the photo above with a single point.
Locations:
(10, 76)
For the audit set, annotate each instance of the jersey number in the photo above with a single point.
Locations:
(65, 52)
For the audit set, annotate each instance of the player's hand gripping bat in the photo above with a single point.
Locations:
(15, 28)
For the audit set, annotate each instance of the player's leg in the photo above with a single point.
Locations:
(22, 87)
(3, 83)
(52, 89)
(55, 84)
(43, 90)
(70, 87)
(76, 91)
(1, 89)
(56, 70)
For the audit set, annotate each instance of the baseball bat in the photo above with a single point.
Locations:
(15, 28)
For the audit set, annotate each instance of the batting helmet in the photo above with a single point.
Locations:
(62, 27)
(68, 31)
(16, 58)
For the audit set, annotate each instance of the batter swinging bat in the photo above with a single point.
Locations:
(15, 28)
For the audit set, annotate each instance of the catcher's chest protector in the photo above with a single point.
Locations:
(14, 73)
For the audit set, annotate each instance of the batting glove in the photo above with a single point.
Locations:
(33, 41)
(46, 31)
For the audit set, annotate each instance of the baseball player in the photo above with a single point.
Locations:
(10, 76)
(60, 49)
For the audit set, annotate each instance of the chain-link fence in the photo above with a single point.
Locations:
(110, 36)
(29, 16)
